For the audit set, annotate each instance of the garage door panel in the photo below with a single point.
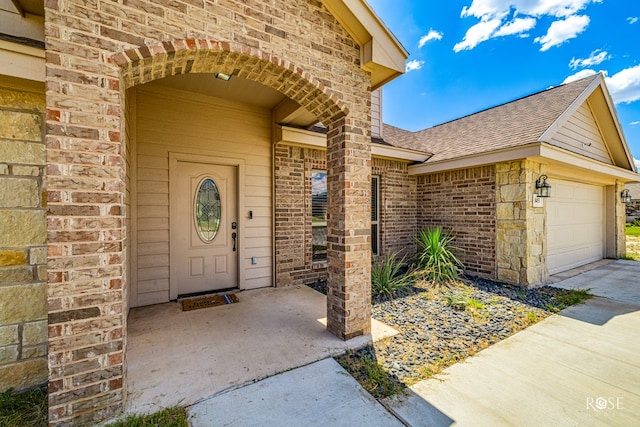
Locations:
(575, 225)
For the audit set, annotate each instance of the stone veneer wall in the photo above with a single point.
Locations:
(463, 201)
(398, 206)
(521, 255)
(23, 251)
(293, 166)
(94, 52)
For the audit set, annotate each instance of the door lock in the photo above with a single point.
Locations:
(234, 225)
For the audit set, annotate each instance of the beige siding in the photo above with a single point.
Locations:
(181, 122)
(581, 135)
(376, 114)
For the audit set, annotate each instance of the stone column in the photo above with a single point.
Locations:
(348, 228)
(520, 248)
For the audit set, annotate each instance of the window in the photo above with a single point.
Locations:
(319, 215)
(375, 215)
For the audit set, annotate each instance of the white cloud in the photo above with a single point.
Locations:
(431, 35)
(516, 17)
(579, 75)
(597, 57)
(635, 123)
(412, 65)
(625, 85)
(637, 162)
(632, 19)
(517, 26)
(501, 8)
(563, 30)
(477, 34)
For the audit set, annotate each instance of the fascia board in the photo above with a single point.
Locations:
(476, 160)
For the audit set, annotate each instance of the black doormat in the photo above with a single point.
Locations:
(206, 301)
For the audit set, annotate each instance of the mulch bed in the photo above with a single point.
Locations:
(441, 326)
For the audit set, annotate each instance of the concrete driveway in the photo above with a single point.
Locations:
(579, 368)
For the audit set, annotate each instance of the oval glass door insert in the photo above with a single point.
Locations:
(207, 210)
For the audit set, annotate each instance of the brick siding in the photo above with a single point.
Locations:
(463, 201)
(293, 221)
(398, 206)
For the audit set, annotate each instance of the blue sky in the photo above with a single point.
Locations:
(468, 55)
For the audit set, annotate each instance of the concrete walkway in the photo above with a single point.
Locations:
(579, 368)
(321, 394)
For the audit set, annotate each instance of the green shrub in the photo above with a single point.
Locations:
(387, 275)
(436, 260)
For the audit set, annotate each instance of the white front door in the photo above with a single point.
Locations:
(204, 228)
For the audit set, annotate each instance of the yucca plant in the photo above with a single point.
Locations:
(437, 262)
(387, 275)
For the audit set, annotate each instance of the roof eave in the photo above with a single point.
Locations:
(543, 152)
(381, 53)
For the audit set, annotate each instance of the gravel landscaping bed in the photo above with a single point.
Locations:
(441, 326)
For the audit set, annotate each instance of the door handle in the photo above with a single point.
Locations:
(233, 236)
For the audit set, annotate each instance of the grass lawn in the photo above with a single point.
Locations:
(29, 409)
(633, 243)
(633, 231)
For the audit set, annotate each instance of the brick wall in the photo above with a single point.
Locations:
(292, 177)
(464, 202)
(293, 168)
(23, 290)
(398, 204)
(94, 52)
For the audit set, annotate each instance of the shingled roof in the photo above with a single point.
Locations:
(516, 123)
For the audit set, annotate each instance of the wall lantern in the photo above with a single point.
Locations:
(625, 196)
(222, 76)
(542, 188)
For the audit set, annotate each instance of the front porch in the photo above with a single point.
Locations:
(176, 357)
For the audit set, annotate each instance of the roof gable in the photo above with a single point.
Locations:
(598, 101)
(580, 133)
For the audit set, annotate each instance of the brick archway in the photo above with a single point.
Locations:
(87, 205)
(151, 62)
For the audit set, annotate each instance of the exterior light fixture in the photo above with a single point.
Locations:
(625, 196)
(542, 188)
(222, 76)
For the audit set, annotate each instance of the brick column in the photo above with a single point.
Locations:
(348, 228)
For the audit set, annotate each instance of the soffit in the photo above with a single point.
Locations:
(237, 89)
(33, 7)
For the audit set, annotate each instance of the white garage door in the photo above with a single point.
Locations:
(575, 225)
